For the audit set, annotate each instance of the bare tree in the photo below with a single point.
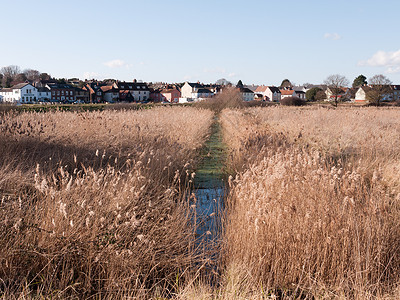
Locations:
(9, 74)
(335, 84)
(379, 89)
(31, 74)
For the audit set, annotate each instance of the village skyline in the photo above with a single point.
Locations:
(259, 42)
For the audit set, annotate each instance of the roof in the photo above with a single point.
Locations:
(169, 91)
(19, 86)
(60, 86)
(245, 90)
(286, 92)
(203, 91)
(108, 88)
(195, 85)
(132, 86)
(261, 89)
(274, 89)
(43, 90)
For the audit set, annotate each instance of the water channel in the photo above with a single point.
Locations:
(210, 186)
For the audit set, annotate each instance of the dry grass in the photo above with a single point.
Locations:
(314, 197)
(94, 204)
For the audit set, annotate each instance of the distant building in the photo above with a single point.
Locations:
(62, 92)
(110, 93)
(269, 93)
(20, 93)
(43, 94)
(247, 94)
(171, 95)
(201, 93)
(139, 90)
(287, 93)
(189, 88)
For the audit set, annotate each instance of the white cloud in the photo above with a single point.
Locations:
(332, 36)
(390, 60)
(91, 75)
(230, 75)
(116, 63)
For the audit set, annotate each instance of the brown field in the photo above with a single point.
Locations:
(314, 209)
(93, 203)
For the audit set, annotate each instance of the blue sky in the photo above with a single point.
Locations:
(260, 42)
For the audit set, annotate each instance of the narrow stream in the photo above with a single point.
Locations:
(210, 185)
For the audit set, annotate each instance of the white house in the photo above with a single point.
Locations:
(287, 93)
(201, 94)
(269, 93)
(189, 88)
(139, 90)
(392, 95)
(43, 94)
(20, 93)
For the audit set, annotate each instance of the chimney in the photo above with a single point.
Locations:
(134, 80)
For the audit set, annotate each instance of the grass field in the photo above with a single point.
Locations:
(93, 204)
(98, 204)
(317, 194)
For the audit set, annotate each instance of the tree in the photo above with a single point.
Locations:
(223, 81)
(32, 75)
(312, 93)
(379, 89)
(239, 84)
(335, 84)
(9, 74)
(359, 81)
(44, 76)
(286, 84)
(20, 78)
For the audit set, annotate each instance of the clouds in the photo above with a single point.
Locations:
(390, 60)
(91, 75)
(332, 36)
(116, 63)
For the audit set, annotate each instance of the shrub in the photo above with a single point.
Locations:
(292, 101)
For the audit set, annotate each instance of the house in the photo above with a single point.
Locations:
(287, 93)
(269, 93)
(95, 92)
(171, 95)
(189, 88)
(201, 93)
(300, 94)
(247, 94)
(62, 92)
(396, 92)
(155, 95)
(393, 93)
(20, 93)
(43, 94)
(341, 93)
(82, 95)
(125, 96)
(110, 93)
(361, 94)
(139, 90)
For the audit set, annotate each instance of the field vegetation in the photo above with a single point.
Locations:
(94, 204)
(313, 210)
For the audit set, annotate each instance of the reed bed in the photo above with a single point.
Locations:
(314, 209)
(94, 204)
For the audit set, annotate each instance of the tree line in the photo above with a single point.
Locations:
(12, 75)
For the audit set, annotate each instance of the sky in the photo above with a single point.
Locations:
(258, 42)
